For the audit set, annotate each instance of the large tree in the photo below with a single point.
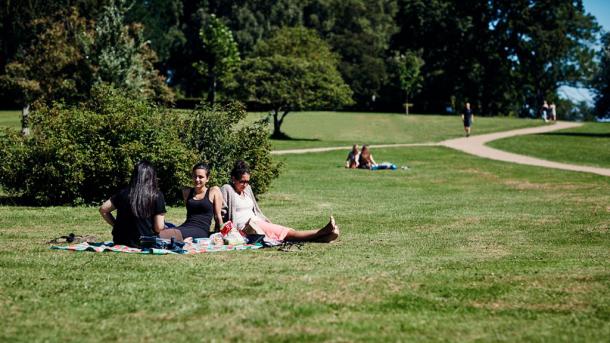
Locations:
(70, 53)
(293, 70)
(221, 55)
(498, 54)
(601, 83)
(549, 44)
(124, 58)
(359, 31)
(55, 66)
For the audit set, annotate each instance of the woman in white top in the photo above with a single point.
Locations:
(240, 207)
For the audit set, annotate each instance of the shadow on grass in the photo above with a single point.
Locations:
(7, 200)
(284, 137)
(578, 134)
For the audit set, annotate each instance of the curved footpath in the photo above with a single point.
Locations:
(475, 145)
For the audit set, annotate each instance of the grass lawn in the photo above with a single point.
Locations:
(10, 119)
(320, 129)
(586, 145)
(455, 248)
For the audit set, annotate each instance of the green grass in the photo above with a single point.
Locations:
(10, 119)
(586, 145)
(321, 129)
(455, 248)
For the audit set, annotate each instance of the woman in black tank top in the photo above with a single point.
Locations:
(202, 204)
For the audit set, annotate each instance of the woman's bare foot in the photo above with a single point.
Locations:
(329, 228)
(332, 234)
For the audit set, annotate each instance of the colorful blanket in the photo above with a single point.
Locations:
(189, 248)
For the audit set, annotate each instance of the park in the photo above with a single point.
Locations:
(449, 247)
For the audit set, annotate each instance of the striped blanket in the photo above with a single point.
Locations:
(189, 248)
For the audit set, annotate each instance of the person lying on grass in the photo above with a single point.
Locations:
(240, 207)
(140, 208)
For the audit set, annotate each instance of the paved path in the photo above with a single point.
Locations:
(308, 150)
(475, 145)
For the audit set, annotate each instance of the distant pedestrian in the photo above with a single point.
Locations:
(467, 118)
(553, 110)
(544, 111)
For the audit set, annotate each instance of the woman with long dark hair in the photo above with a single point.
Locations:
(240, 206)
(202, 204)
(140, 208)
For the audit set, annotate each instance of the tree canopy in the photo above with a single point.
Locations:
(601, 82)
(293, 70)
(504, 57)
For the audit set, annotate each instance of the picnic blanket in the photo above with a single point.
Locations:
(187, 249)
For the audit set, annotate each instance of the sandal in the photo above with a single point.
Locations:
(72, 238)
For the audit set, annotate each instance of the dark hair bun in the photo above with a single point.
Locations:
(240, 168)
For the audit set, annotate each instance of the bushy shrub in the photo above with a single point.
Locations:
(85, 153)
(220, 138)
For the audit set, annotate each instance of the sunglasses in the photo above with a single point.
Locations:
(243, 182)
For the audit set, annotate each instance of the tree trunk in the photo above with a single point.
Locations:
(212, 91)
(25, 120)
(276, 124)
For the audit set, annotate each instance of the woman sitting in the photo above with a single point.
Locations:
(366, 160)
(352, 158)
(240, 206)
(140, 208)
(202, 203)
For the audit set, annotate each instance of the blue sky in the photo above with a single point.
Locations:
(601, 10)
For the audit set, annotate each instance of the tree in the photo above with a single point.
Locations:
(220, 138)
(124, 59)
(294, 70)
(601, 83)
(503, 55)
(221, 54)
(55, 66)
(549, 45)
(359, 31)
(20, 24)
(70, 54)
(409, 73)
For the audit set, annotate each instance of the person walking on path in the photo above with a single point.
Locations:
(467, 118)
(553, 110)
(544, 111)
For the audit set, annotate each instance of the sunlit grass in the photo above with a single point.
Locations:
(455, 248)
(586, 145)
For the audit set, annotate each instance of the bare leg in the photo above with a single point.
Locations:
(171, 233)
(312, 235)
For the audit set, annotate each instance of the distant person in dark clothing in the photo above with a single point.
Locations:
(467, 118)
(140, 208)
